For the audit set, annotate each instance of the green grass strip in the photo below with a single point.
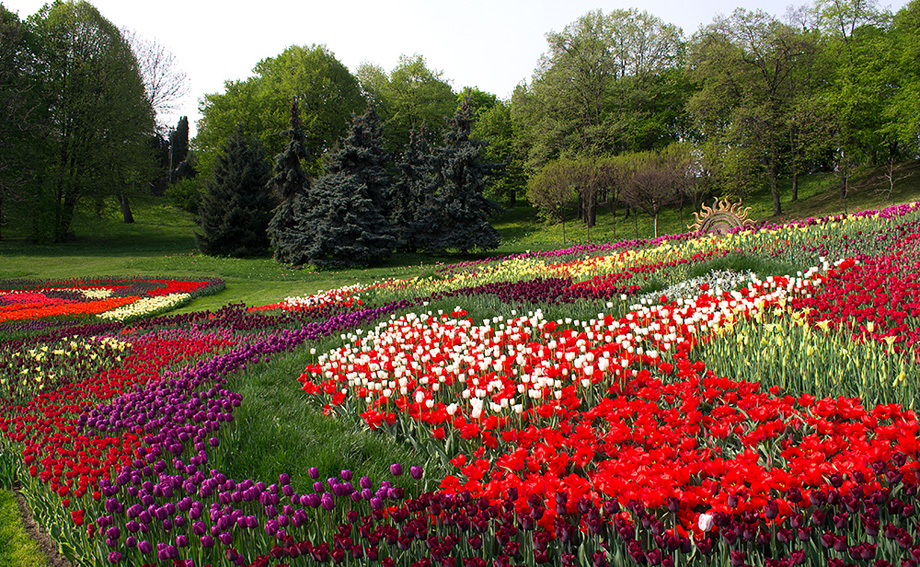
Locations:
(17, 549)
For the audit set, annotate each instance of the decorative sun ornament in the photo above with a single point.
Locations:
(722, 216)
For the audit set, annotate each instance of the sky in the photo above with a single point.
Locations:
(493, 45)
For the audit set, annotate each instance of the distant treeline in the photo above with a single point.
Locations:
(743, 101)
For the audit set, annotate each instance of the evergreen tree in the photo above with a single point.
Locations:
(236, 207)
(408, 191)
(363, 155)
(180, 142)
(455, 214)
(346, 224)
(291, 187)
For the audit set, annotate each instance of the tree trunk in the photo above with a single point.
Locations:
(125, 209)
(636, 223)
(613, 211)
(844, 187)
(777, 208)
(64, 218)
(844, 175)
(795, 183)
(681, 209)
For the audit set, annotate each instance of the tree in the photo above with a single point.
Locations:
(345, 224)
(553, 192)
(179, 143)
(455, 215)
(328, 93)
(494, 127)
(98, 114)
(747, 64)
(609, 83)
(235, 212)
(291, 188)
(655, 183)
(414, 181)
(164, 82)
(19, 124)
(410, 97)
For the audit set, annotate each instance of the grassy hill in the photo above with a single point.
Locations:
(162, 241)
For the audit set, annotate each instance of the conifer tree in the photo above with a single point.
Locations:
(363, 155)
(291, 187)
(455, 214)
(180, 142)
(346, 224)
(409, 189)
(236, 208)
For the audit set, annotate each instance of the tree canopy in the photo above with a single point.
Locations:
(327, 91)
(95, 110)
(411, 96)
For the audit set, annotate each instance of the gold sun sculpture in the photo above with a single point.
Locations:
(722, 216)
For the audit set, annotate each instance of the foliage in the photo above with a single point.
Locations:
(17, 102)
(414, 181)
(96, 115)
(186, 194)
(750, 65)
(343, 220)
(494, 126)
(236, 207)
(179, 142)
(609, 83)
(455, 214)
(411, 97)
(291, 188)
(327, 93)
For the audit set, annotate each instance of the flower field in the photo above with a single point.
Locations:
(743, 399)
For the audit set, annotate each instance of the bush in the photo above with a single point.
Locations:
(185, 194)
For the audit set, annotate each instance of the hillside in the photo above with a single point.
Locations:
(161, 242)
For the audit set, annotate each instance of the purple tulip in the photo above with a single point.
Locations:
(416, 472)
(313, 472)
(396, 469)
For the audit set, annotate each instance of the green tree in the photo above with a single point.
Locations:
(455, 215)
(291, 188)
(858, 49)
(748, 65)
(19, 123)
(609, 83)
(328, 93)
(411, 96)
(902, 111)
(345, 226)
(235, 211)
(494, 127)
(414, 181)
(179, 142)
(98, 114)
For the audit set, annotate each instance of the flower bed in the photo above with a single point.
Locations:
(107, 298)
(558, 415)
